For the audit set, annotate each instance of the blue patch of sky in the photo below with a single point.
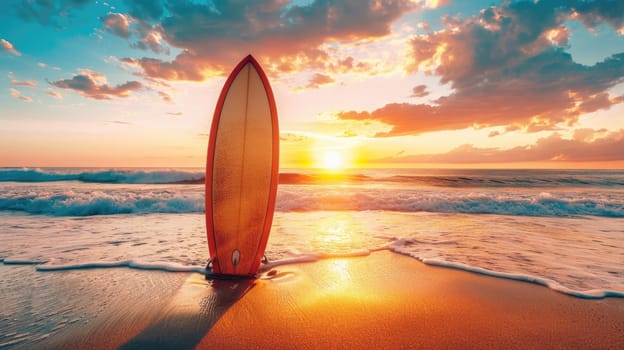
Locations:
(590, 46)
(81, 43)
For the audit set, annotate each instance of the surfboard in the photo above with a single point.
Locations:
(242, 171)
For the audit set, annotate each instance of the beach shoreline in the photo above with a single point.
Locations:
(383, 300)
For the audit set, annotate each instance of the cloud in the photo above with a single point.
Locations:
(44, 65)
(118, 122)
(25, 83)
(94, 85)
(420, 91)
(593, 13)
(291, 137)
(285, 36)
(8, 47)
(124, 25)
(151, 39)
(494, 133)
(433, 4)
(145, 9)
(48, 12)
(54, 94)
(586, 145)
(179, 69)
(317, 81)
(507, 67)
(118, 24)
(165, 96)
(17, 94)
(175, 114)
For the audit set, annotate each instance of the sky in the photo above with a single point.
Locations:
(380, 83)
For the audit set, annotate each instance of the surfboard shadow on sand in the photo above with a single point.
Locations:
(191, 314)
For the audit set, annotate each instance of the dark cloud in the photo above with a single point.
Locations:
(586, 145)
(285, 36)
(93, 85)
(48, 12)
(420, 91)
(507, 67)
(149, 10)
(593, 13)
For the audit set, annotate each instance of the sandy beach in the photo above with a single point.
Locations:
(383, 301)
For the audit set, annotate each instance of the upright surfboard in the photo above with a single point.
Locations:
(242, 171)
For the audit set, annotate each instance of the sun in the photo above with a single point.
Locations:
(333, 160)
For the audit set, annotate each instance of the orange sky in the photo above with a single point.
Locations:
(369, 84)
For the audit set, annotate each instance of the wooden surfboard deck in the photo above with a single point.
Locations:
(242, 171)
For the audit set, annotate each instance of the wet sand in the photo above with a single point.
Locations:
(383, 301)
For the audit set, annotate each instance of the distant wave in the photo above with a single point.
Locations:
(310, 198)
(453, 179)
(103, 176)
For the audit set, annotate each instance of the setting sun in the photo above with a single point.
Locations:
(333, 160)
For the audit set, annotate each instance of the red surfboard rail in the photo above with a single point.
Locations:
(225, 262)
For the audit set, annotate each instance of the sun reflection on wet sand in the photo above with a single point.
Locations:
(335, 234)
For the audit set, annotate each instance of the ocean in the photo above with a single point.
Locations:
(563, 229)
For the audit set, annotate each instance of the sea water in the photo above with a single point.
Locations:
(563, 229)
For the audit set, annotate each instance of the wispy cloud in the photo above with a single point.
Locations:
(165, 96)
(25, 83)
(585, 145)
(54, 94)
(17, 94)
(8, 47)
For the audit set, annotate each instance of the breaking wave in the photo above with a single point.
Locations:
(311, 198)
